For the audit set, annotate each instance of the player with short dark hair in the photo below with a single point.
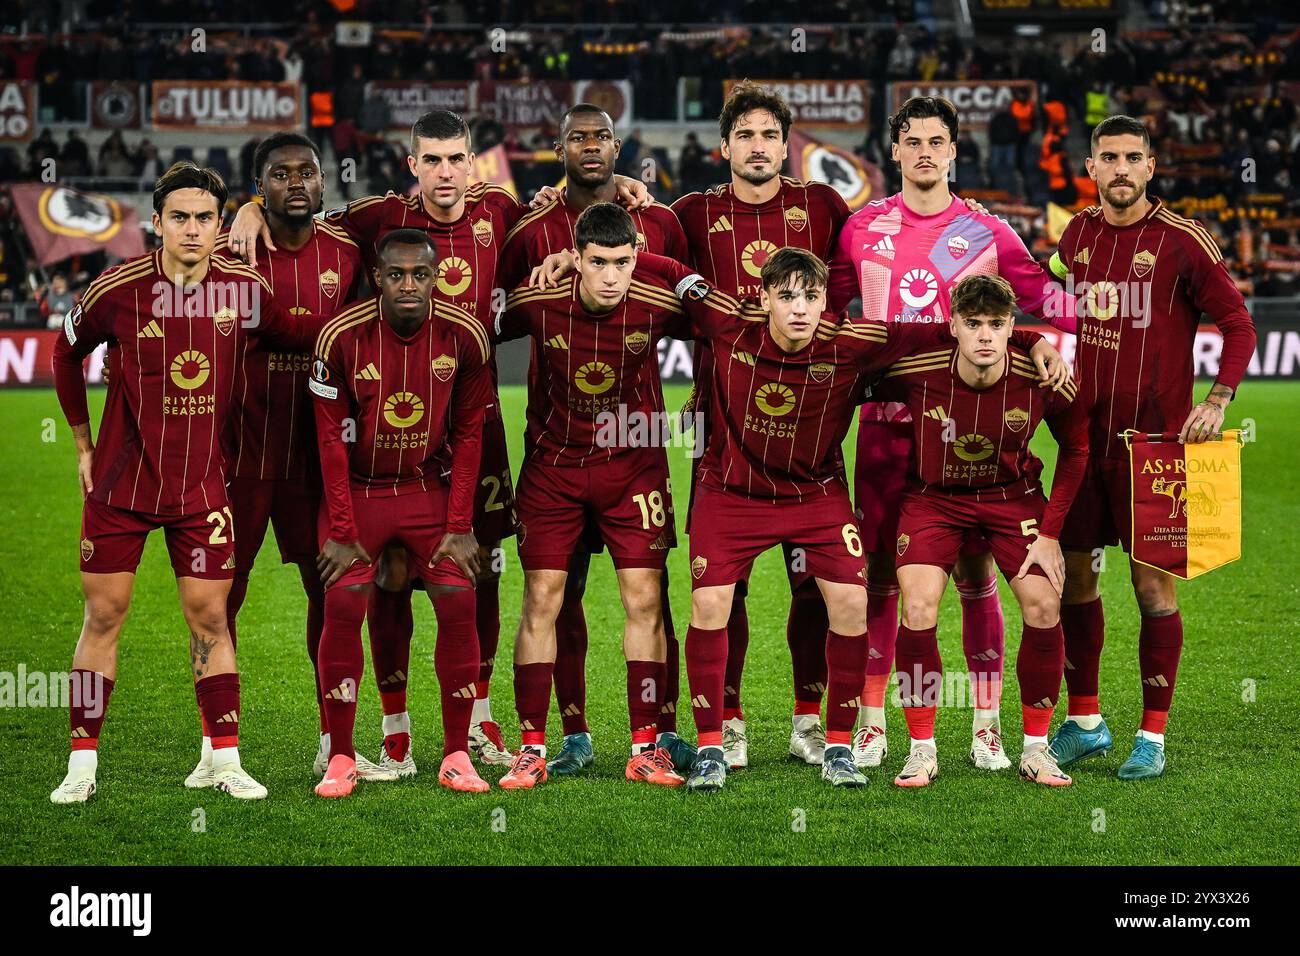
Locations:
(176, 321)
(975, 403)
(401, 385)
(1144, 276)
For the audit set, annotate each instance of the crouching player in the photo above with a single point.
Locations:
(786, 380)
(975, 404)
(401, 385)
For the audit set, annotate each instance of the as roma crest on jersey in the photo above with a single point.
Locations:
(224, 319)
(636, 341)
(796, 218)
(640, 242)
(1142, 263)
(820, 371)
(444, 366)
(87, 549)
(1016, 419)
(903, 542)
(482, 231)
(958, 247)
(329, 282)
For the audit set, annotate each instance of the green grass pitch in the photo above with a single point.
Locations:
(1228, 797)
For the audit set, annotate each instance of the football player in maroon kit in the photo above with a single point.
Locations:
(786, 380)
(975, 403)
(176, 321)
(596, 365)
(272, 470)
(588, 147)
(401, 384)
(1143, 276)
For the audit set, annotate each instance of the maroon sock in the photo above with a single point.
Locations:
(920, 678)
(1084, 626)
(487, 623)
(645, 688)
(234, 601)
(983, 639)
(667, 723)
(456, 662)
(341, 663)
(1039, 666)
(1160, 645)
(391, 626)
(882, 633)
(706, 669)
(805, 634)
(218, 697)
(737, 645)
(88, 694)
(846, 667)
(532, 700)
(571, 665)
(315, 625)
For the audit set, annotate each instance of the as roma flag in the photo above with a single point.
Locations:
(62, 222)
(1186, 502)
(857, 180)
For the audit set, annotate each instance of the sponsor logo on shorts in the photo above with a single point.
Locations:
(1016, 419)
(403, 409)
(1142, 263)
(972, 447)
(482, 229)
(224, 319)
(594, 377)
(454, 275)
(699, 564)
(87, 549)
(191, 369)
(230, 563)
(754, 255)
(820, 371)
(444, 366)
(903, 541)
(329, 282)
(774, 399)
(636, 341)
(796, 218)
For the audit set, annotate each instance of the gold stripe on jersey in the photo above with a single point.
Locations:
(129, 273)
(533, 293)
(934, 366)
(752, 312)
(335, 231)
(359, 313)
(654, 296)
(924, 358)
(867, 333)
(481, 189)
(1196, 231)
(658, 292)
(238, 268)
(453, 313)
(531, 216)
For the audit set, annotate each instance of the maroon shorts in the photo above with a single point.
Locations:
(628, 499)
(880, 469)
(933, 527)
(201, 545)
(495, 517)
(1102, 512)
(416, 522)
(730, 531)
(292, 508)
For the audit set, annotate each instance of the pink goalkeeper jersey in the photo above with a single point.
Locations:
(905, 265)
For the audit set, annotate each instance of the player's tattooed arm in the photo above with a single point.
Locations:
(249, 226)
(200, 651)
(1206, 419)
(85, 457)
(335, 558)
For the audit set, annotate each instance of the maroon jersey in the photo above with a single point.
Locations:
(731, 239)
(588, 368)
(176, 361)
(551, 228)
(272, 433)
(393, 414)
(1141, 290)
(975, 442)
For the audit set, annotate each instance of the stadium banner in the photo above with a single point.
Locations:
(17, 111)
(1033, 10)
(821, 102)
(976, 100)
(612, 96)
(225, 106)
(61, 222)
(115, 105)
(408, 100)
(492, 167)
(522, 103)
(1186, 502)
(26, 357)
(854, 178)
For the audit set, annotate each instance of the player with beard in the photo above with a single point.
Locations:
(1146, 275)
(903, 255)
(588, 148)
